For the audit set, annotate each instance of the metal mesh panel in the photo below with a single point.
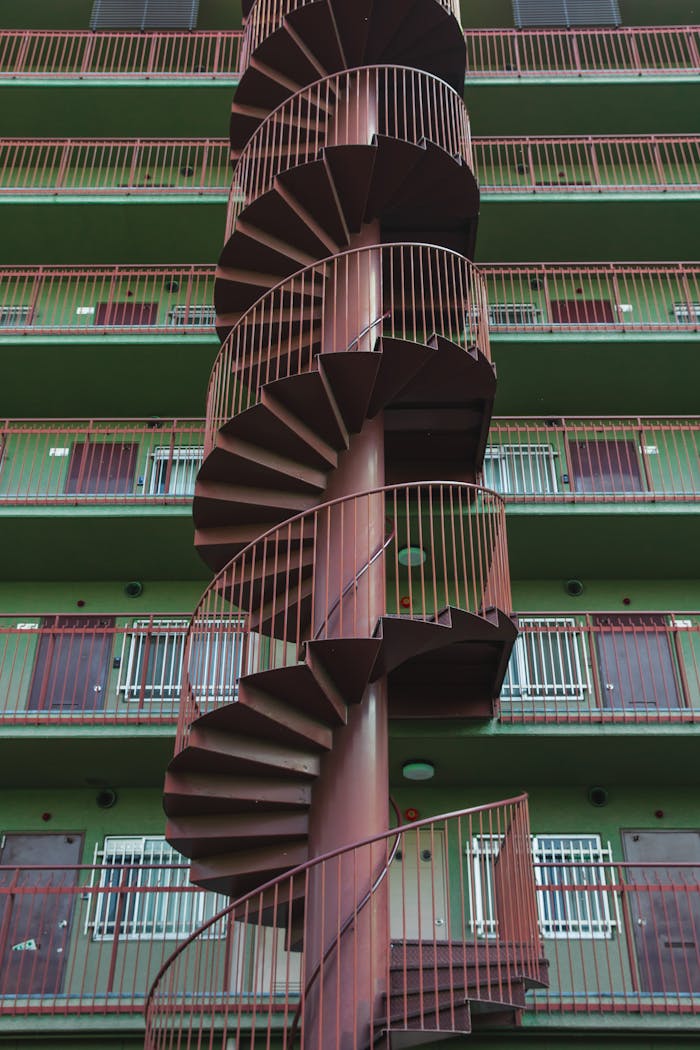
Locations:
(144, 14)
(566, 13)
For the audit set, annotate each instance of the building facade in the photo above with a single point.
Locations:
(394, 506)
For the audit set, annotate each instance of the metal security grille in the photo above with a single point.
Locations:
(144, 14)
(528, 13)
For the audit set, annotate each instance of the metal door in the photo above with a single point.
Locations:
(101, 468)
(664, 909)
(636, 665)
(605, 467)
(126, 315)
(418, 887)
(72, 664)
(582, 311)
(35, 927)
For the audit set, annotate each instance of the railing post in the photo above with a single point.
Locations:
(118, 919)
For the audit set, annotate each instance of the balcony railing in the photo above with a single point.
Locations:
(594, 460)
(106, 300)
(491, 53)
(586, 52)
(97, 462)
(619, 938)
(625, 668)
(90, 939)
(588, 164)
(83, 55)
(619, 297)
(91, 670)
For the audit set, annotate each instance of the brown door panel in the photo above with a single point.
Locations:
(72, 664)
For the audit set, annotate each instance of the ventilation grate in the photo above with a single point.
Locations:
(144, 14)
(527, 13)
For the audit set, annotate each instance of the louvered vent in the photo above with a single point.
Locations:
(528, 13)
(144, 14)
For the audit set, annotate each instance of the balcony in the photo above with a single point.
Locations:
(117, 494)
(630, 669)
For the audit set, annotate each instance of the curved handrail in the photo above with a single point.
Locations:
(408, 104)
(425, 290)
(273, 596)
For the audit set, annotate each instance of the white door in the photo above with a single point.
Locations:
(418, 888)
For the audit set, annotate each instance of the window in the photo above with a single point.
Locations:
(566, 13)
(686, 313)
(548, 663)
(14, 316)
(150, 666)
(198, 314)
(575, 898)
(173, 909)
(144, 14)
(521, 470)
(514, 314)
(216, 658)
(174, 470)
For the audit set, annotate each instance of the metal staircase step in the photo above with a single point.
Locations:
(351, 377)
(258, 713)
(194, 793)
(312, 186)
(271, 425)
(218, 751)
(308, 396)
(351, 170)
(207, 835)
(242, 871)
(248, 464)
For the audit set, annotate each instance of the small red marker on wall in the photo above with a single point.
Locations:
(411, 813)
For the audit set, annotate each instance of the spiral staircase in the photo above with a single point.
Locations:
(354, 363)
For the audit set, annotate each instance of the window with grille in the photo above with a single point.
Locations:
(514, 314)
(150, 666)
(686, 313)
(575, 895)
(14, 316)
(146, 892)
(566, 13)
(144, 14)
(198, 314)
(174, 470)
(548, 663)
(521, 470)
(216, 659)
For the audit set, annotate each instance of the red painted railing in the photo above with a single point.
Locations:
(594, 460)
(588, 163)
(586, 52)
(619, 938)
(621, 297)
(90, 939)
(636, 669)
(75, 54)
(276, 594)
(418, 890)
(106, 300)
(98, 669)
(491, 53)
(81, 462)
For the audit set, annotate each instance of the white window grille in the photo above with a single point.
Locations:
(131, 867)
(216, 659)
(518, 315)
(548, 663)
(174, 470)
(150, 666)
(566, 13)
(575, 895)
(14, 316)
(197, 314)
(521, 470)
(144, 14)
(686, 313)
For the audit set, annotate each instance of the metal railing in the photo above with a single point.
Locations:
(588, 163)
(628, 51)
(106, 300)
(80, 54)
(637, 669)
(82, 462)
(283, 590)
(620, 297)
(619, 938)
(415, 290)
(91, 670)
(594, 460)
(412, 909)
(403, 103)
(90, 939)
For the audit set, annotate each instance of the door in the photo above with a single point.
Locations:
(418, 889)
(35, 927)
(605, 467)
(664, 909)
(101, 468)
(578, 311)
(72, 664)
(124, 315)
(635, 663)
